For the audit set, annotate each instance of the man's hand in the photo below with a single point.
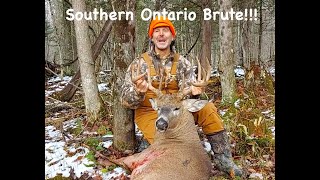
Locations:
(141, 85)
(139, 79)
(194, 90)
(197, 90)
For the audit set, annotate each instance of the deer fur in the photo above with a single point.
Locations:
(176, 153)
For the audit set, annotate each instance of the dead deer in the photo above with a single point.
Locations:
(177, 152)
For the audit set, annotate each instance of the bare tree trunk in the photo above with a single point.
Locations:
(245, 45)
(206, 36)
(62, 33)
(226, 65)
(260, 34)
(92, 100)
(239, 46)
(70, 89)
(49, 29)
(181, 38)
(123, 124)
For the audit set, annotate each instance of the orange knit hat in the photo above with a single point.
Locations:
(162, 22)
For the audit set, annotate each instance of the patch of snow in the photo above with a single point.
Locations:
(58, 79)
(106, 144)
(104, 75)
(207, 146)
(62, 159)
(266, 111)
(116, 172)
(222, 112)
(108, 135)
(52, 134)
(273, 130)
(236, 104)
(256, 175)
(239, 71)
(70, 124)
(269, 114)
(103, 87)
(58, 161)
(137, 131)
(57, 84)
(48, 93)
(101, 73)
(215, 72)
(272, 70)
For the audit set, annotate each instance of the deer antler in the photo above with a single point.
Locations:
(202, 81)
(161, 77)
(203, 78)
(135, 75)
(151, 88)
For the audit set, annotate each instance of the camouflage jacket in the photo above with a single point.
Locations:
(130, 98)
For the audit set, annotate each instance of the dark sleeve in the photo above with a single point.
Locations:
(130, 98)
(185, 69)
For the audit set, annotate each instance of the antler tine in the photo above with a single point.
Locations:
(136, 76)
(199, 69)
(150, 87)
(208, 70)
(202, 78)
(161, 78)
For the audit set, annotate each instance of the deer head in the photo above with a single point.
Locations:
(171, 106)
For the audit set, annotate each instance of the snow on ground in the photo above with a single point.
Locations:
(239, 71)
(61, 158)
(272, 70)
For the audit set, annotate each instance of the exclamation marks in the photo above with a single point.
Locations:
(253, 14)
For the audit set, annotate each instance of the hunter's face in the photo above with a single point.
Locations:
(162, 37)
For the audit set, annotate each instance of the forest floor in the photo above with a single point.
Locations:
(76, 149)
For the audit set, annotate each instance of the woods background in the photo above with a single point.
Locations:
(98, 51)
(248, 37)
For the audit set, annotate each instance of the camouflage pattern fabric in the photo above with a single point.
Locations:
(130, 98)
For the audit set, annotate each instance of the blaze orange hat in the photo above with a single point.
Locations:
(162, 22)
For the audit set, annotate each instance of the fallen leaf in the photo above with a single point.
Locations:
(78, 158)
(97, 177)
(105, 162)
(251, 170)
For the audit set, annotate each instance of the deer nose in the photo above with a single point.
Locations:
(161, 124)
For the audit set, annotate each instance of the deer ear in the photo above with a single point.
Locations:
(153, 104)
(194, 105)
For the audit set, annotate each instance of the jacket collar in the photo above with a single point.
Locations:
(156, 56)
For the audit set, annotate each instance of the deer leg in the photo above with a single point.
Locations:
(222, 155)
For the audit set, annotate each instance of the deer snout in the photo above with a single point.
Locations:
(161, 124)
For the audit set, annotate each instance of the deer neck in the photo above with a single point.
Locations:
(184, 131)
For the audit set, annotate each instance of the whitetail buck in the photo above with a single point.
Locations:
(177, 152)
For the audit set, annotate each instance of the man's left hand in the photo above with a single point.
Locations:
(197, 90)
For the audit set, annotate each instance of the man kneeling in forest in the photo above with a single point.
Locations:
(162, 57)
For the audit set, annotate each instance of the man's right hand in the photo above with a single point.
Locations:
(141, 85)
(139, 79)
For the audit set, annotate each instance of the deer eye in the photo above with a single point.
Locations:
(176, 109)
